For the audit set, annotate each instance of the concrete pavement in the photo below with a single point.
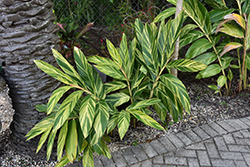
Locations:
(218, 144)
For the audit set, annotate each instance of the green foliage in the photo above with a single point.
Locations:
(91, 110)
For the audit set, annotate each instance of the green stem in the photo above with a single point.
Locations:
(239, 5)
(129, 87)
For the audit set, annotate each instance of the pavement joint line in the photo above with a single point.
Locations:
(227, 142)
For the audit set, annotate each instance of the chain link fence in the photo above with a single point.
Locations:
(104, 13)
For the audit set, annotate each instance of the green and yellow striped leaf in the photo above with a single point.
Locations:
(142, 104)
(246, 7)
(102, 61)
(147, 120)
(186, 65)
(218, 14)
(190, 37)
(87, 114)
(67, 68)
(55, 73)
(50, 143)
(178, 88)
(101, 119)
(165, 14)
(56, 96)
(105, 149)
(161, 110)
(231, 30)
(87, 159)
(71, 141)
(41, 127)
(43, 139)
(114, 53)
(117, 99)
(61, 140)
(112, 122)
(66, 108)
(114, 86)
(123, 123)
(111, 71)
(63, 162)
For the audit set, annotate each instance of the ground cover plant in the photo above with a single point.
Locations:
(207, 46)
(90, 112)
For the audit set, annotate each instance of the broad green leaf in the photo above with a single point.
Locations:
(67, 67)
(61, 140)
(63, 162)
(40, 127)
(66, 108)
(177, 87)
(206, 58)
(198, 47)
(217, 4)
(221, 80)
(211, 70)
(214, 87)
(190, 37)
(226, 60)
(102, 61)
(114, 53)
(101, 119)
(105, 149)
(186, 65)
(147, 120)
(246, 7)
(165, 14)
(56, 96)
(186, 29)
(218, 14)
(117, 99)
(112, 122)
(231, 30)
(230, 46)
(41, 108)
(114, 86)
(142, 104)
(199, 14)
(111, 71)
(87, 160)
(161, 110)
(43, 139)
(50, 144)
(71, 141)
(55, 73)
(123, 123)
(87, 114)
(170, 101)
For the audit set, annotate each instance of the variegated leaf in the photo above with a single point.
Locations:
(186, 65)
(236, 17)
(41, 127)
(114, 86)
(101, 119)
(55, 73)
(123, 123)
(66, 108)
(50, 143)
(111, 71)
(206, 58)
(56, 96)
(147, 120)
(231, 30)
(61, 140)
(142, 104)
(246, 7)
(177, 87)
(114, 53)
(87, 114)
(87, 160)
(190, 37)
(218, 14)
(43, 138)
(161, 110)
(117, 99)
(63, 162)
(165, 14)
(71, 141)
(211, 70)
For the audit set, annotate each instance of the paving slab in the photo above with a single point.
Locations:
(224, 143)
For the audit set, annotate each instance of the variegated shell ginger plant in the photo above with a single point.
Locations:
(140, 72)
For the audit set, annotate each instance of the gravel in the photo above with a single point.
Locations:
(205, 107)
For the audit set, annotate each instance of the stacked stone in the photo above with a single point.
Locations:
(27, 33)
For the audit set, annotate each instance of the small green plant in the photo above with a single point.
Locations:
(135, 143)
(198, 98)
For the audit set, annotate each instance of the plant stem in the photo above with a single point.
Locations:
(129, 87)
